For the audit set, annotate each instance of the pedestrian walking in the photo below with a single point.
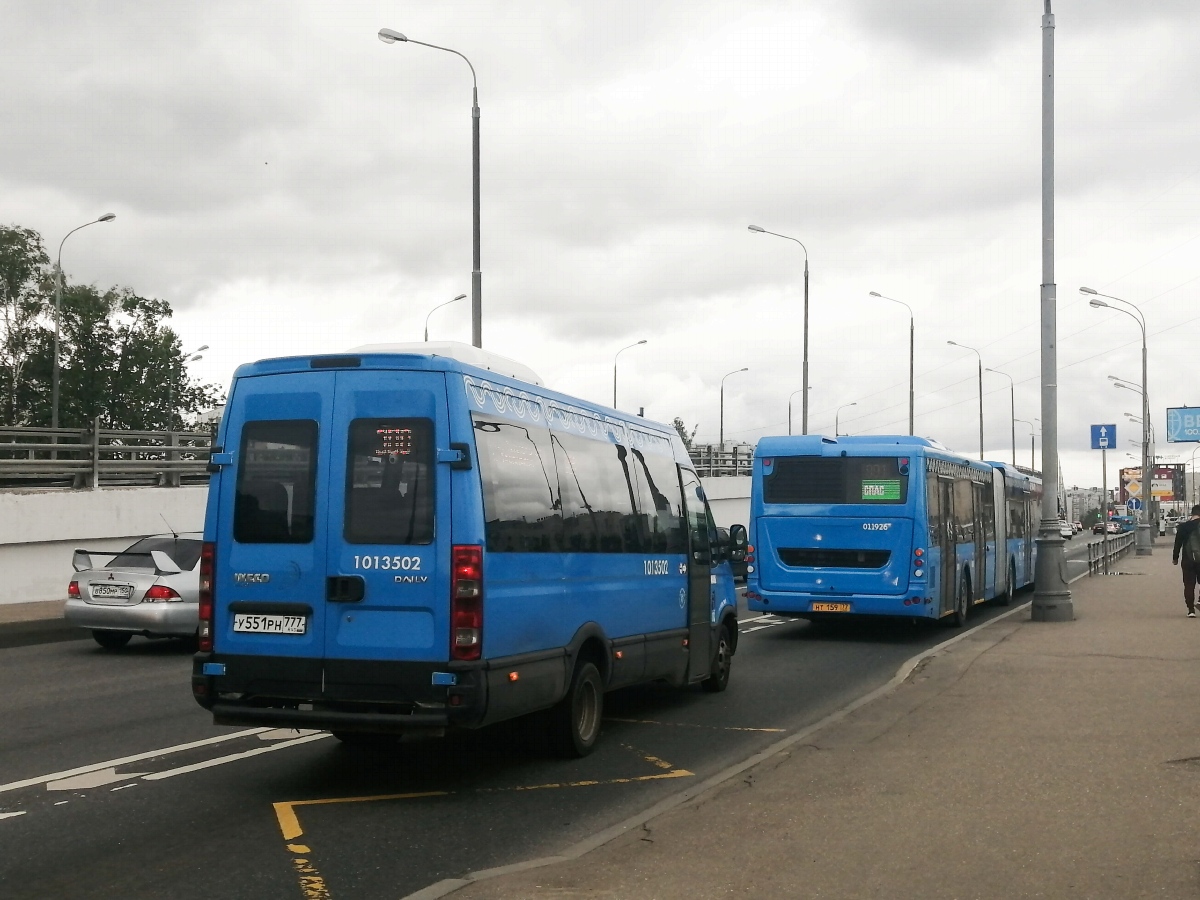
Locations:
(1187, 556)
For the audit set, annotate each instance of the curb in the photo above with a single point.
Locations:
(39, 631)
(450, 885)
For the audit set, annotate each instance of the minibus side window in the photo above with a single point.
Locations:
(520, 490)
(390, 481)
(659, 478)
(277, 472)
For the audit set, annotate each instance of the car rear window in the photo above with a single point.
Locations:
(837, 480)
(184, 551)
(390, 473)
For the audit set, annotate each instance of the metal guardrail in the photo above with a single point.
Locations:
(1118, 545)
(93, 457)
(711, 461)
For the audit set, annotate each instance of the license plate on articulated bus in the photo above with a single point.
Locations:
(247, 623)
(830, 607)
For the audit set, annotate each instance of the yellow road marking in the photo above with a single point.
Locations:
(690, 725)
(313, 886)
(290, 825)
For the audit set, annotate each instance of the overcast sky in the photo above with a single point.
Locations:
(290, 184)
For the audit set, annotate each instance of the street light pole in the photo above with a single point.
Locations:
(1145, 543)
(618, 353)
(980, 359)
(190, 356)
(912, 331)
(107, 217)
(837, 416)
(435, 309)
(804, 376)
(1012, 405)
(388, 36)
(721, 444)
(1032, 460)
(790, 396)
(1051, 596)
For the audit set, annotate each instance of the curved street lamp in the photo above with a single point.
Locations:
(618, 353)
(1146, 538)
(790, 396)
(912, 330)
(980, 358)
(435, 309)
(390, 36)
(107, 217)
(804, 376)
(1032, 449)
(734, 372)
(1012, 405)
(837, 415)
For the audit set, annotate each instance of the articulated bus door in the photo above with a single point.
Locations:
(947, 545)
(389, 530)
(700, 577)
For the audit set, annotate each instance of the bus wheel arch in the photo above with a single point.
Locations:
(590, 644)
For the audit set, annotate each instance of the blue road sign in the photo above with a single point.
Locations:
(1183, 424)
(1133, 503)
(1104, 437)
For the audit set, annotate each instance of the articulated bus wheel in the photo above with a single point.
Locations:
(575, 721)
(962, 603)
(1007, 597)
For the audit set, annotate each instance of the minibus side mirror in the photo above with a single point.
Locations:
(738, 540)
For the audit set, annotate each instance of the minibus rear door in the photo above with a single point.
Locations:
(389, 523)
(270, 561)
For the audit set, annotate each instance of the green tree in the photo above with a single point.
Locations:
(23, 264)
(117, 358)
(684, 434)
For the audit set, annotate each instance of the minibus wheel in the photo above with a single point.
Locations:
(575, 721)
(718, 678)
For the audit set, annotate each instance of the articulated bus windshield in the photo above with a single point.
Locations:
(836, 480)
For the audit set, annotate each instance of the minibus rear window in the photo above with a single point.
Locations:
(837, 480)
(389, 494)
(277, 473)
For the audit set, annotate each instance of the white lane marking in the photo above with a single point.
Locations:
(755, 618)
(234, 757)
(283, 734)
(125, 760)
(98, 778)
(10, 815)
(760, 627)
(122, 787)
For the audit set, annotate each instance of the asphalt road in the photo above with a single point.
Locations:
(113, 783)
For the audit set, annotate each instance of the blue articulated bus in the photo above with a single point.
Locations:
(407, 538)
(885, 526)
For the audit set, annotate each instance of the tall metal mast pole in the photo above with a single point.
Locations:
(1051, 596)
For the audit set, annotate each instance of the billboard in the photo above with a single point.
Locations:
(1183, 424)
(1167, 483)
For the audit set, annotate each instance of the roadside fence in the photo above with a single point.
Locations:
(94, 457)
(712, 461)
(1100, 562)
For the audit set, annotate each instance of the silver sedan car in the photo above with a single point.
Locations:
(150, 588)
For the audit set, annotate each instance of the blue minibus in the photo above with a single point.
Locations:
(408, 538)
(885, 526)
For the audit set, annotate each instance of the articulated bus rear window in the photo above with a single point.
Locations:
(837, 479)
(277, 474)
(389, 490)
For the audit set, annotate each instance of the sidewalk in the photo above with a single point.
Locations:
(1027, 760)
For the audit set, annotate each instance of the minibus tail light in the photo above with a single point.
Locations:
(208, 565)
(466, 602)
